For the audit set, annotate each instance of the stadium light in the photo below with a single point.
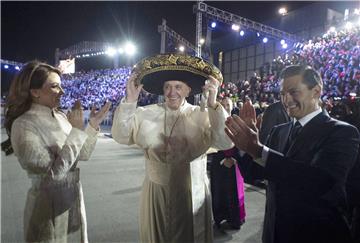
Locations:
(282, 42)
(235, 27)
(181, 48)
(258, 34)
(6, 66)
(202, 41)
(110, 51)
(242, 33)
(282, 11)
(284, 46)
(121, 50)
(213, 24)
(265, 40)
(17, 68)
(130, 49)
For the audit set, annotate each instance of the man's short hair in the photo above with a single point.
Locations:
(310, 77)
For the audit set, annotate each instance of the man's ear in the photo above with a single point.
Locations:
(35, 93)
(317, 91)
(189, 91)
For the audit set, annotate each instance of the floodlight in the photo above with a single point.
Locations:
(235, 27)
(282, 11)
(130, 49)
(110, 51)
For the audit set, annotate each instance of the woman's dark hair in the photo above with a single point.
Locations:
(31, 76)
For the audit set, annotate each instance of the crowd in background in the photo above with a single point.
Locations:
(336, 55)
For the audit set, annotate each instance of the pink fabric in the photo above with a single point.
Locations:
(241, 193)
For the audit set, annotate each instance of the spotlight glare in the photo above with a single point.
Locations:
(17, 68)
(213, 24)
(242, 33)
(181, 48)
(130, 49)
(6, 66)
(265, 40)
(235, 27)
(284, 46)
(282, 11)
(258, 34)
(110, 51)
(121, 50)
(282, 42)
(202, 41)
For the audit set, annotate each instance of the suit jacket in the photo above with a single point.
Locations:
(306, 191)
(274, 114)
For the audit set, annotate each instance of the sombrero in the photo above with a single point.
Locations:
(154, 71)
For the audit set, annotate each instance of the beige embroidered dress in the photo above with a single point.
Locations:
(48, 148)
(175, 202)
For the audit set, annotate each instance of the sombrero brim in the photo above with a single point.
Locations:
(154, 82)
(154, 71)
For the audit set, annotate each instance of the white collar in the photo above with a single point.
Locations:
(304, 120)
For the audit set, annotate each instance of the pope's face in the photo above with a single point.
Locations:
(175, 93)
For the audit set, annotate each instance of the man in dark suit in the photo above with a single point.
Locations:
(273, 115)
(306, 163)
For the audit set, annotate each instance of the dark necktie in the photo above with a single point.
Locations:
(293, 133)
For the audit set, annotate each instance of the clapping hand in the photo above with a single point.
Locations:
(243, 131)
(97, 117)
(76, 116)
(248, 115)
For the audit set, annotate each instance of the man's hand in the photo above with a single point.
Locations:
(247, 113)
(245, 138)
(132, 89)
(96, 118)
(212, 87)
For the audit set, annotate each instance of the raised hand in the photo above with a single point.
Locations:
(132, 89)
(76, 116)
(244, 137)
(97, 117)
(247, 114)
(212, 87)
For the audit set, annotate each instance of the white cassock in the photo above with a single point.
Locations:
(175, 201)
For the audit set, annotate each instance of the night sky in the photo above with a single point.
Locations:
(32, 30)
